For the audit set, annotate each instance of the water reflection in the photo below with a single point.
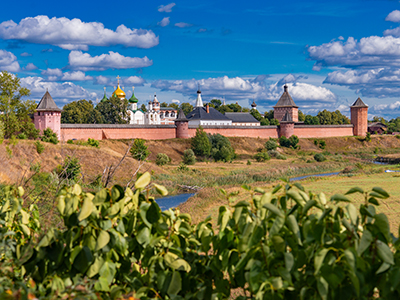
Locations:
(313, 175)
(166, 203)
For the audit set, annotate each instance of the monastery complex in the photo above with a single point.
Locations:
(159, 123)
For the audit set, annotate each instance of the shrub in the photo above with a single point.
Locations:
(70, 142)
(39, 147)
(70, 169)
(139, 150)
(201, 144)
(188, 157)
(261, 156)
(221, 148)
(289, 142)
(93, 142)
(319, 157)
(320, 143)
(368, 137)
(281, 156)
(162, 159)
(183, 168)
(271, 145)
(22, 136)
(248, 162)
(49, 136)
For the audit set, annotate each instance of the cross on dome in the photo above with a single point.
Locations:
(118, 78)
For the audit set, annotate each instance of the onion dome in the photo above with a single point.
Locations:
(133, 99)
(155, 99)
(254, 105)
(105, 96)
(119, 93)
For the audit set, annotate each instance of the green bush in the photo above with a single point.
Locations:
(261, 157)
(188, 157)
(139, 150)
(221, 148)
(368, 137)
(286, 243)
(201, 144)
(289, 142)
(49, 136)
(162, 159)
(70, 142)
(70, 169)
(22, 136)
(93, 143)
(281, 156)
(248, 162)
(183, 168)
(271, 145)
(319, 157)
(39, 147)
(320, 143)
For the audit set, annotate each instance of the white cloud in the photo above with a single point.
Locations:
(183, 25)
(75, 76)
(164, 22)
(166, 8)
(85, 62)
(394, 16)
(129, 81)
(52, 74)
(133, 80)
(103, 80)
(265, 93)
(8, 61)
(74, 34)
(30, 67)
(25, 54)
(61, 92)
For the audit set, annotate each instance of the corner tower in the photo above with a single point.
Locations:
(359, 117)
(286, 126)
(48, 115)
(286, 105)
(182, 126)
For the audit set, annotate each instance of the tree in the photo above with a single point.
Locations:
(49, 136)
(311, 120)
(379, 119)
(200, 143)
(14, 112)
(186, 107)
(163, 104)
(224, 108)
(81, 112)
(221, 148)
(216, 102)
(235, 107)
(256, 114)
(143, 108)
(332, 118)
(162, 159)
(269, 115)
(302, 117)
(188, 157)
(113, 110)
(139, 150)
(174, 106)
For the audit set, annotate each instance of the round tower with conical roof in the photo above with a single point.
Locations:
(48, 115)
(359, 117)
(286, 126)
(182, 126)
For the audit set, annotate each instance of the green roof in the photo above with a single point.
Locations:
(133, 99)
(104, 98)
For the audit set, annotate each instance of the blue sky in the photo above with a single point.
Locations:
(328, 52)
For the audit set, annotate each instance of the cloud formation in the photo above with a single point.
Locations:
(260, 88)
(30, 67)
(164, 22)
(61, 92)
(183, 25)
(113, 60)
(128, 81)
(166, 8)
(8, 61)
(394, 16)
(74, 34)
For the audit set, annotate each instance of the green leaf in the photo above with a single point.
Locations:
(175, 285)
(277, 225)
(143, 236)
(322, 198)
(381, 191)
(116, 193)
(295, 195)
(61, 205)
(100, 197)
(289, 261)
(350, 259)
(373, 201)
(352, 211)
(95, 267)
(308, 205)
(108, 271)
(144, 207)
(143, 181)
(46, 240)
(246, 187)
(382, 222)
(25, 229)
(161, 189)
(340, 198)
(319, 259)
(323, 287)
(102, 285)
(279, 243)
(274, 209)
(102, 240)
(74, 254)
(25, 216)
(376, 195)
(77, 190)
(384, 252)
(355, 190)
(384, 266)
(83, 260)
(175, 262)
(366, 240)
(294, 227)
(21, 191)
(153, 213)
(276, 189)
(299, 186)
(242, 204)
(86, 209)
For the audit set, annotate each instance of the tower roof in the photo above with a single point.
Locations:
(133, 99)
(119, 93)
(254, 105)
(287, 118)
(181, 116)
(47, 103)
(359, 103)
(285, 100)
(199, 101)
(105, 96)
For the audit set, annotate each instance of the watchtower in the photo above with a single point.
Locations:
(359, 117)
(286, 105)
(48, 115)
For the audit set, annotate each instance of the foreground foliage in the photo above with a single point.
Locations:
(282, 244)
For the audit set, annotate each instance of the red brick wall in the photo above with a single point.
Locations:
(148, 133)
(286, 129)
(318, 131)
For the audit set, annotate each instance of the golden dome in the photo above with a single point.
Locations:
(119, 93)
